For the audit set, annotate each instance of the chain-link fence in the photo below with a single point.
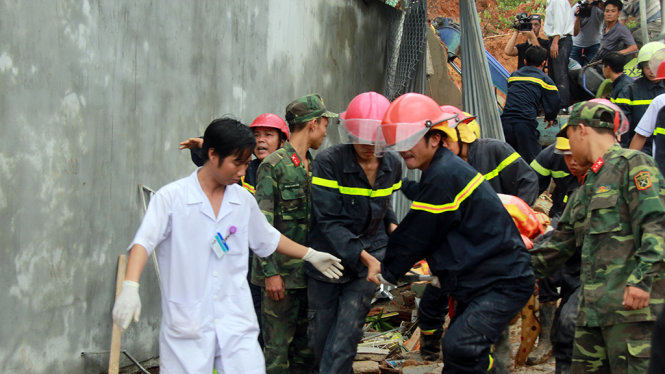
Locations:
(405, 69)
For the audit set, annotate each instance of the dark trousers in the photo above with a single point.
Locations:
(432, 308)
(478, 324)
(558, 70)
(523, 136)
(337, 313)
(563, 328)
(256, 298)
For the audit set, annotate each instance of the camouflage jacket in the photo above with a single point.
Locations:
(284, 195)
(617, 218)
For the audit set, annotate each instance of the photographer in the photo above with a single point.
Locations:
(587, 30)
(529, 26)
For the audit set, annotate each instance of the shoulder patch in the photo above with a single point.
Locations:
(643, 180)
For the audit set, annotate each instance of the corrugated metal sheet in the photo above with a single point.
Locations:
(478, 95)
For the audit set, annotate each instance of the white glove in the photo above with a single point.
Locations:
(327, 264)
(384, 282)
(435, 282)
(128, 305)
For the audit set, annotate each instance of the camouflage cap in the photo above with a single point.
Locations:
(593, 114)
(307, 108)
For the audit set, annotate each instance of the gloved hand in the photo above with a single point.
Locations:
(384, 282)
(128, 305)
(327, 264)
(435, 282)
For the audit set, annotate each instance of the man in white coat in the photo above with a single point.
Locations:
(202, 227)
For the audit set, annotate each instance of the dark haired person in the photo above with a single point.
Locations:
(283, 193)
(586, 32)
(532, 38)
(635, 98)
(613, 63)
(202, 227)
(529, 89)
(483, 265)
(616, 220)
(616, 37)
(270, 132)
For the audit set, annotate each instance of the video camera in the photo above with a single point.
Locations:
(585, 7)
(522, 22)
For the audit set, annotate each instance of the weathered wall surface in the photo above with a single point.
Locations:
(94, 98)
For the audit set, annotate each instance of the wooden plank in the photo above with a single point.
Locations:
(413, 341)
(116, 335)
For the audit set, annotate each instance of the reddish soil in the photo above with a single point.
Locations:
(495, 37)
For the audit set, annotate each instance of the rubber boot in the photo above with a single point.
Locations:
(502, 353)
(430, 344)
(544, 349)
(562, 367)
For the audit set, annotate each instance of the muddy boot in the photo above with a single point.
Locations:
(544, 349)
(430, 344)
(562, 367)
(502, 353)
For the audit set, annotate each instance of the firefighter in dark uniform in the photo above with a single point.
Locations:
(635, 98)
(507, 173)
(270, 132)
(528, 90)
(483, 265)
(351, 217)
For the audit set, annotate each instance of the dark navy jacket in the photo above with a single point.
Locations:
(551, 166)
(529, 89)
(348, 214)
(459, 225)
(634, 100)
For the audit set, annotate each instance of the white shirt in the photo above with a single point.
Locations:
(206, 303)
(647, 124)
(558, 18)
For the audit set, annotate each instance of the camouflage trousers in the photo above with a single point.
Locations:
(622, 348)
(285, 333)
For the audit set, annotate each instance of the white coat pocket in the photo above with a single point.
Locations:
(185, 320)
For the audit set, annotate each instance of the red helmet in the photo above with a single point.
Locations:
(660, 73)
(273, 121)
(361, 120)
(409, 117)
(621, 123)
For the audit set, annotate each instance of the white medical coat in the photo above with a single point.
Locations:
(207, 310)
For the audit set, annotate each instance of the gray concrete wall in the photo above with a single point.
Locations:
(95, 97)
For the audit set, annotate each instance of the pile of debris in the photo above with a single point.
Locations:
(391, 341)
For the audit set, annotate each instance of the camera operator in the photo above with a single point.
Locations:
(559, 28)
(587, 30)
(529, 26)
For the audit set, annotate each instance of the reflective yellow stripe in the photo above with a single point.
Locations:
(509, 160)
(659, 130)
(621, 100)
(491, 365)
(540, 169)
(565, 199)
(466, 192)
(356, 191)
(247, 186)
(533, 80)
(559, 174)
(428, 332)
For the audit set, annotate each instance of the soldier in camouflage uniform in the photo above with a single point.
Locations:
(283, 194)
(617, 219)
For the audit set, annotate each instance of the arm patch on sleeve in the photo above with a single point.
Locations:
(643, 180)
